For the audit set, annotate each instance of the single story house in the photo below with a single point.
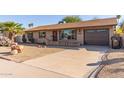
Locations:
(91, 32)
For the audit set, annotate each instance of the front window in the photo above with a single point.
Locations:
(42, 34)
(30, 35)
(69, 34)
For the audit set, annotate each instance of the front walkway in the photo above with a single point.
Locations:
(71, 62)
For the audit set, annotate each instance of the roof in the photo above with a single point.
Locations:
(90, 23)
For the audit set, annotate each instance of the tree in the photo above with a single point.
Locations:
(94, 18)
(30, 25)
(71, 19)
(13, 29)
(121, 25)
(1, 27)
(119, 30)
(118, 17)
(60, 22)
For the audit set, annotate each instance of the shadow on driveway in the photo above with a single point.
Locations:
(108, 62)
(63, 47)
(101, 49)
(5, 53)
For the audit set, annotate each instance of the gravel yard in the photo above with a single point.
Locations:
(29, 52)
(114, 67)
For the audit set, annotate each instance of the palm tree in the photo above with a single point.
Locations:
(71, 19)
(1, 26)
(95, 18)
(30, 25)
(13, 29)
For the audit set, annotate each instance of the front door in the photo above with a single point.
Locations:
(55, 36)
(30, 36)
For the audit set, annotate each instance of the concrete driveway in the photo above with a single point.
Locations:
(71, 62)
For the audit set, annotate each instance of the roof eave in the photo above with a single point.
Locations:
(67, 28)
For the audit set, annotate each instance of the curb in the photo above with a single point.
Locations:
(96, 71)
(5, 58)
(8, 59)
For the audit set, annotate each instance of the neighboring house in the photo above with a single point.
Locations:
(92, 32)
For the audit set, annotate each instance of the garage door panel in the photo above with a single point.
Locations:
(97, 37)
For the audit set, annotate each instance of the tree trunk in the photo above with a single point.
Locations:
(11, 36)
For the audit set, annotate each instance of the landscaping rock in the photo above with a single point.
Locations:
(17, 47)
(14, 52)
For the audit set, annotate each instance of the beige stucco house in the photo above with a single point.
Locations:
(92, 32)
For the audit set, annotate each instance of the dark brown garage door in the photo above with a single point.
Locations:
(96, 37)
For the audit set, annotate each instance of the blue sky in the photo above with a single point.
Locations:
(44, 19)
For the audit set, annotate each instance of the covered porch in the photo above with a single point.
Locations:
(65, 37)
(62, 37)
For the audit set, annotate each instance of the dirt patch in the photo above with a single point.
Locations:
(114, 66)
(29, 52)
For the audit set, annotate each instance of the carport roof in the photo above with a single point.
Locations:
(89, 23)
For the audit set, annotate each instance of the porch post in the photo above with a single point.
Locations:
(80, 36)
(57, 35)
(26, 37)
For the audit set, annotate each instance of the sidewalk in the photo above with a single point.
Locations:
(12, 69)
(4, 52)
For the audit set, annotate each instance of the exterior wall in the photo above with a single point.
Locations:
(122, 36)
(38, 40)
(19, 39)
(26, 37)
(111, 32)
(36, 36)
(58, 35)
(80, 36)
(49, 35)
